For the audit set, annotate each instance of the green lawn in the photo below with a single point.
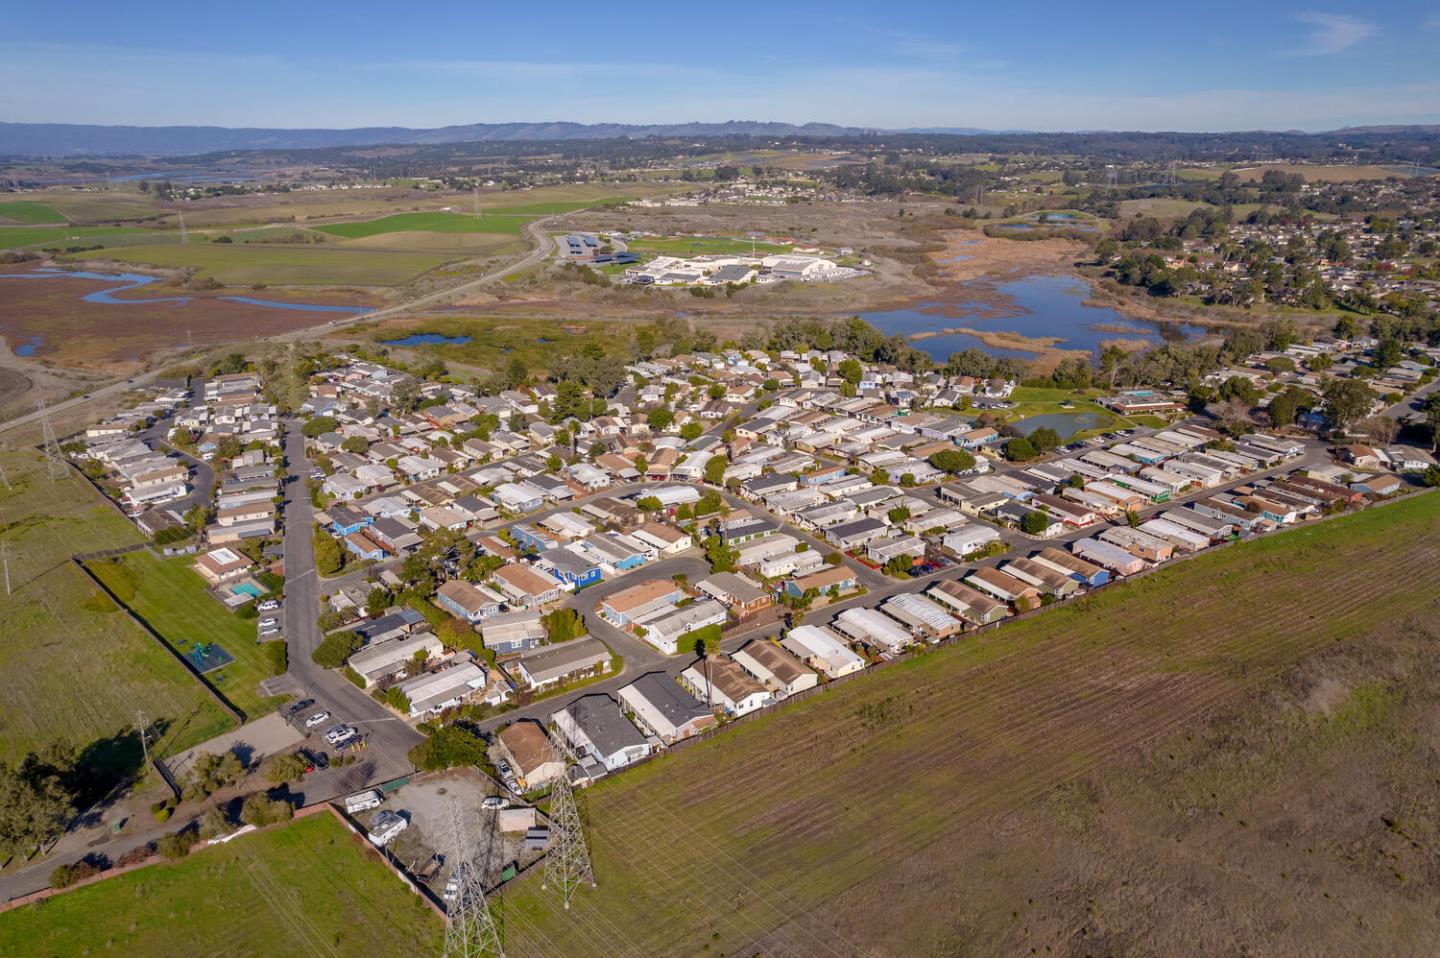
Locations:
(281, 265)
(12, 237)
(30, 213)
(170, 596)
(75, 668)
(306, 888)
(695, 245)
(724, 848)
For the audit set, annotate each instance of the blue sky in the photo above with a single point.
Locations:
(1221, 65)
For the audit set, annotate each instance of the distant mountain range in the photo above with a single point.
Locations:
(52, 139)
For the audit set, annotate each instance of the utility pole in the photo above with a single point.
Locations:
(143, 726)
(5, 561)
(54, 458)
(469, 929)
(567, 863)
(477, 200)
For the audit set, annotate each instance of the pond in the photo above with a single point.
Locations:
(1044, 307)
(427, 339)
(128, 281)
(1065, 424)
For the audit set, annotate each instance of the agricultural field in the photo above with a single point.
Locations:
(1321, 173)
(309, 887)
(279, 265)
(20, 237)
(75, 667)
(170, 597)
(26, 213)
(696, 245)
(834, 825)
(438, 222)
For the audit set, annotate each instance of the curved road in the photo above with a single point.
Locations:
(535, 229)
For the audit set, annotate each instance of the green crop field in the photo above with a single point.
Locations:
(15, 237)
(280, 265)
(306, 888)
(29, 213)
(170, 597)
(75, 668)
(812, 828)
(428, 223)
(696, 245)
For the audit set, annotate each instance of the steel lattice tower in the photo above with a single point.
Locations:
(54, 458)
(567, 863)
(470, 930)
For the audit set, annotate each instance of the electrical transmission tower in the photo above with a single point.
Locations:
(470, 930)
(567, 863)
(184, 237)
(477, 201)
(54, 458)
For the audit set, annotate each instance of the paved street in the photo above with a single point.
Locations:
(390, 739)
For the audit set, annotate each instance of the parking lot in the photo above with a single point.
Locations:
(427, 805)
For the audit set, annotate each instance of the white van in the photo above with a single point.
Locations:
(362, 802)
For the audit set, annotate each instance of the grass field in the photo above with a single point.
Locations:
(170, 596)
(826, 827)
(75, 668)
(16, 237)
(427, 223)
(29, 213)
(1159, 207)
(457, 245)
(1320, 173)
(280, 265)
(309, 887)
(695, 245)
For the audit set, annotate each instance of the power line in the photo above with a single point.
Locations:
(567, 863)
(54, 458)
(470, 929)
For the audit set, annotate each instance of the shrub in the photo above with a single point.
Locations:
(448, 747)
(285, 768)
(174, 846)
(262, 810)
(162, 814)
(62, 877)
(135, 855)
(356, 679)
(335, 648)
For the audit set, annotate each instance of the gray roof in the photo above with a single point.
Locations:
(669, 699)
(606, 725)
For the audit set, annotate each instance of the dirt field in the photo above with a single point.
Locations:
(1133, 774)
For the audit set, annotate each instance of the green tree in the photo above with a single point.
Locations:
(953, 461)
(562, 625)
(450, 746)
(1347, 401)
(715, 468)
(649, 504)
(319, 426)
(262, 810)
(1044, 439)
(1034, 522)
(34, 805)
(722, 558)
(660, 418)
(900, 566)
(851, 371)
(335, 648)
(691, 431)
(285, 768)
(1019, 449)
(328, 556)
(898, 515)
(879, 477)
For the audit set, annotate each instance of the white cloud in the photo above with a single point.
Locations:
(1332, 33)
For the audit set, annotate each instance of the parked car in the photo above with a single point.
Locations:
(300, 706)
(314, 761)
(493, 803)
(316, 719)
(338, 734)
(269, 605)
